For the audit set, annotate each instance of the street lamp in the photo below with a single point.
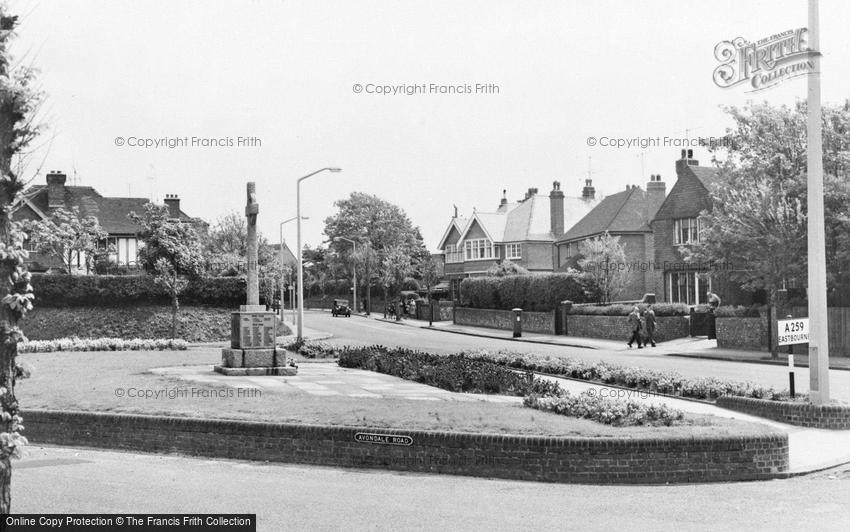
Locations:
(353, 268)
(300, 262)
(282, 288)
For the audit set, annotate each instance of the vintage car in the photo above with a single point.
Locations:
(341, 308)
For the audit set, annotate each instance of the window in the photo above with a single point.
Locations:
(453, 254)
(478, 249)
(686, 231)
(513, 251)
(124, 250)
(690, 288)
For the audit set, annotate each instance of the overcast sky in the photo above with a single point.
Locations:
(285, 72)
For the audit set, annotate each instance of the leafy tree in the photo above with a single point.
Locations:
(604, 260)
(506, 267)
(395, 268)
(172, 253)
(19, 105)
(226, 246)
(377, 226)
(67, 235)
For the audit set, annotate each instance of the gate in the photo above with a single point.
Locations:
(703, 324)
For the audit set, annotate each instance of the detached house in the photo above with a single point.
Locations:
(626, 215)
(523, 232)
(38, 201)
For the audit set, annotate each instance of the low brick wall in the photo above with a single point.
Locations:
(742, 333)
(569, 460)
(617, 327)
(832, 417)
(537, 322)
(445, 312)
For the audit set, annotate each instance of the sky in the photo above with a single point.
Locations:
(284, 76)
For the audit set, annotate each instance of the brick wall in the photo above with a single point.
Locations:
(801, 414)
(617, 327)
(539, 322)
(742, 333)
(568, 460)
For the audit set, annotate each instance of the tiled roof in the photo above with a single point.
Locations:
(620, 212)
(707, 175)
(111, 213)
(531, 219)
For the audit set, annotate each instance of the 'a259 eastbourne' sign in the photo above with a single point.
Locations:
(764, 63)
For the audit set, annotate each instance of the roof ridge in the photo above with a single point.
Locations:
(622, 205)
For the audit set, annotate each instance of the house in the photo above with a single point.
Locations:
(38, 201)
(523, 232)
(626, 215)
(676, 224)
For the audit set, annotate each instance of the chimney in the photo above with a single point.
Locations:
(172, 201)
(588, 193)
(504, 202)
(455, 206)
(686, 160)
(656, 190)
(56, 189)
(556, 209)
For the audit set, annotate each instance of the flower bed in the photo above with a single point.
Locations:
(101, 344)
(589, 405)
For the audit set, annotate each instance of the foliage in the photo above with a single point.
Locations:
(590, 405)
(660, 309)
(537, 292)
(657, 381)
(428, 272)
(604, 261)
(67, 235)
(395, 268)
(102, 344)
(753, 311)
(225, 247)
(504, 268)
(309, 349)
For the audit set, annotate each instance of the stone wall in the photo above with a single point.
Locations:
(538, 322)
(832, 417)
(742, 333)
(538, 458)
(617, 327)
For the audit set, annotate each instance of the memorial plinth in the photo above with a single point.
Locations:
(253, 329)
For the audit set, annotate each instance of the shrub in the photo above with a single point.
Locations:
(101, 344)
(537, 292)
(589, 405)
(753, 311)
(660, 309)
(117, 290)
(313, 349)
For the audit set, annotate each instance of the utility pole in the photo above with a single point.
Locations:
(819, 338)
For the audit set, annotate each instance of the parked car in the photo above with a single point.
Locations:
(341, 308)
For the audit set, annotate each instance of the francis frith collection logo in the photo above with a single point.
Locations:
(764, 63)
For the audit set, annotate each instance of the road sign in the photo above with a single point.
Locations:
(795, 331)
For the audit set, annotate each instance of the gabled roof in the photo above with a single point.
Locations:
(624, 211)
(111, 213)
(456, 223)
(707, 175)
(492, 223)
(288, 256)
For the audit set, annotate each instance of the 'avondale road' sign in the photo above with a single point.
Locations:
(383, 439)
(794, 331)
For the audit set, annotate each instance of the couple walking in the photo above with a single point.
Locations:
(642, 326)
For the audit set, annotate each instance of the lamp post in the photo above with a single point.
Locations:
(283, 288)
(353, 268)
(300, 262)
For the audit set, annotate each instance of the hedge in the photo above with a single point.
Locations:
(101, 344)
(660, 309)
(753, 311)
(535, 292)
(117, 290)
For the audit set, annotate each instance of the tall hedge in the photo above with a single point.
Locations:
(120, 290)
(535, 292)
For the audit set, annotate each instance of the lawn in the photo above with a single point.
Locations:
(88, 381)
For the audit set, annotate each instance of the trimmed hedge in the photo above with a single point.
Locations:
(753, 311)
(101, 344)
(119, 290)
(660, 309)
(536, 292)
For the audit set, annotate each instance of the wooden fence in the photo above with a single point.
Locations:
(838, 319)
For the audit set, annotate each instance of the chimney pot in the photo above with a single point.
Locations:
(173, 204)
(690, 154)
(56, 189)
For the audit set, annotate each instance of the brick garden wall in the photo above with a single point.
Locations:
(617, 327)
(539, 322)
(568, 460)
(742, 333)
(801, 414)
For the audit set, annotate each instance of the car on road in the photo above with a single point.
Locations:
(341, 308)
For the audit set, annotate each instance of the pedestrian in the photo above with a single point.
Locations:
(634, 326)
(713, 301)
(649, 326)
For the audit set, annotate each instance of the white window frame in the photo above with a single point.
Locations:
(453, 255)
(478, 249)
(513, 251)
(693, 227)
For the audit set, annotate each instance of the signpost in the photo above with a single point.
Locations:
(789, 332)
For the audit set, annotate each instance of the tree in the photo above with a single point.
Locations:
(19, 104)
(68, 236)
(506, 267)
(172, 253)
(377, 226)
(430, 275)
(604, 260)
(226, 246)
(395, 268)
